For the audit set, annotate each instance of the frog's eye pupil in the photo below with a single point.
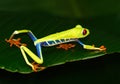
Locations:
(84, 32)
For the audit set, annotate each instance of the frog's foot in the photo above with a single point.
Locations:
(65, 46)
(101, 48)
(36, 67)
(15, 42)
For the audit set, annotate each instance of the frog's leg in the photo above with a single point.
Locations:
(31, 35)
(91, 47)
(37, 58)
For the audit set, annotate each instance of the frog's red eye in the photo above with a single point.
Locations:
(84, 32)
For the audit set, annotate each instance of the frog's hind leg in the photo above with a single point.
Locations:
(31, 35)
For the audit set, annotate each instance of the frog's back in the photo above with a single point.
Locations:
(71, 33)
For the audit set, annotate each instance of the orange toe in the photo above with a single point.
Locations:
(37, 67)
(103, 47)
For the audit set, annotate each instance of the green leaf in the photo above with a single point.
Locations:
(104, 31)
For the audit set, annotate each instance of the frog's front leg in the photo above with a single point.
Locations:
(91, 47)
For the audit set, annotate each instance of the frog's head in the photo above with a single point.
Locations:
(83, 32)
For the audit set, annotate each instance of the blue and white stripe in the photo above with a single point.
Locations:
(56, 42)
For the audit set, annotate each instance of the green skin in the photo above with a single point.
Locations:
(76, 32)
